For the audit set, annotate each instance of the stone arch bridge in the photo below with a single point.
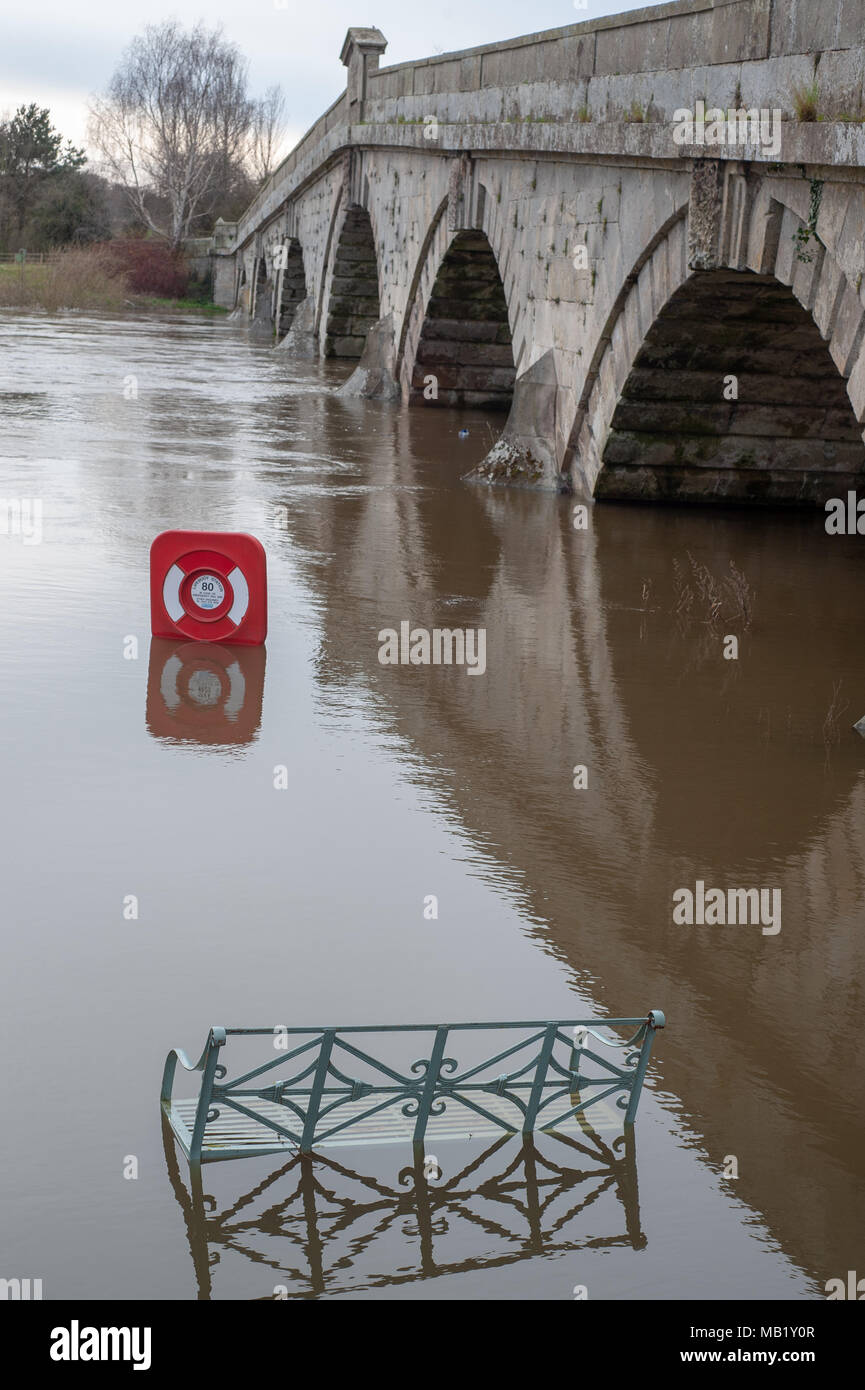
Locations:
(622, 235)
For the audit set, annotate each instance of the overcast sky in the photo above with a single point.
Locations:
(57, 54)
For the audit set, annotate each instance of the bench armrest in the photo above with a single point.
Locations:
(215, 1040)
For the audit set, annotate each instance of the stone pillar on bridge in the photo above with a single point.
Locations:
(374, 376)
(529, 451)
(360, 54)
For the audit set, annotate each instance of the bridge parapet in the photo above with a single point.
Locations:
(317, 145)
(556, 74)
(606, 86)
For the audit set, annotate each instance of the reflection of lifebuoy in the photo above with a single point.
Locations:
(208, 586)
(203, 693)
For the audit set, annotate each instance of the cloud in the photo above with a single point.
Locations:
(48, 59)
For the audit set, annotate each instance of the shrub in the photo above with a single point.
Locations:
(149, 266)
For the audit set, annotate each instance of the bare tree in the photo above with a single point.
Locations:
(268, 131)
(176, 124)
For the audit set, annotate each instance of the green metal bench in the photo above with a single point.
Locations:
(547, 1086)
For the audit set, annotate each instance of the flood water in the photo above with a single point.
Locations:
(305, 905)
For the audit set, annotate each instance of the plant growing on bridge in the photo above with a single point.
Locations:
(804, 234)
(806, 99)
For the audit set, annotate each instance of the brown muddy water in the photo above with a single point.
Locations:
(260, 906)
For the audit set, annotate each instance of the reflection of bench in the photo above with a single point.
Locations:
(339, 1093)
(325, 1227)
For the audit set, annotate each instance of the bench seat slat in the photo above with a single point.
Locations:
(232, 1130)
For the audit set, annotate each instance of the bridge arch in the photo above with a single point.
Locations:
(457, 329)
(465, 340)
(430, 257)
(661, 270)
(262, 291)
(733, 394)
(352, 292)
(732, 381)
(291, 286)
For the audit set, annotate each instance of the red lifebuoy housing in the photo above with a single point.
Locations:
(209, 586)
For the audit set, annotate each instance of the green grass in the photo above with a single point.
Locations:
(180, 306)
(10, 273)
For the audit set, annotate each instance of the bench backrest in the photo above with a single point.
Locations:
(539, 1068)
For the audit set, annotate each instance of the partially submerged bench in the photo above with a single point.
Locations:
(339, 1093)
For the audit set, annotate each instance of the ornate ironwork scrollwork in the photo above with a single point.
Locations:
(544, 1091)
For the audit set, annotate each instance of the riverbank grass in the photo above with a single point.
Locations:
(85, 278)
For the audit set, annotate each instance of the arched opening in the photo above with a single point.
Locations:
(263, 291)
(293, 286)
(354, 304)
(465, 343)
(733, 395)
(242, 295)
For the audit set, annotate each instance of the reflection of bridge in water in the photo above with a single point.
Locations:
(699, 769)
(315, 1225)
